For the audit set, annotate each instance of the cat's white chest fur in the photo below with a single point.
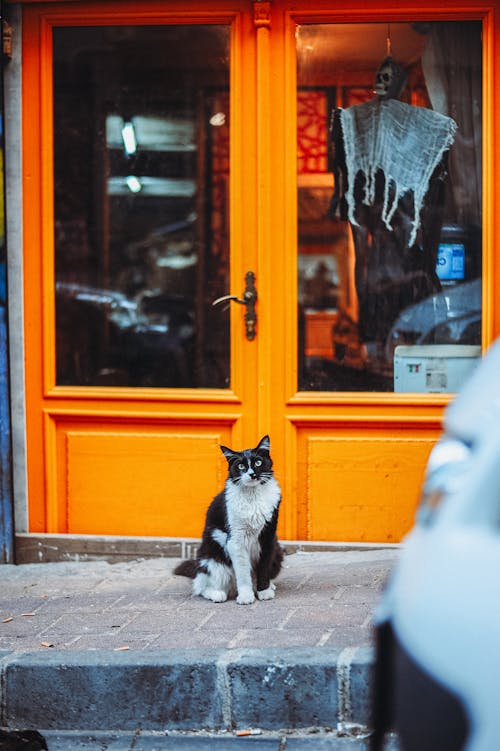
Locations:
(249, 508)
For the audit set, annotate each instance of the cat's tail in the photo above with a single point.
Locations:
(187, 568)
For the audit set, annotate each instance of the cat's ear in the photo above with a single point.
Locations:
(264, 444)
(228, 453)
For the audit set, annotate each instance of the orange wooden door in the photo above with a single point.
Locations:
(123, 428)
(140, 211)
(355, 441)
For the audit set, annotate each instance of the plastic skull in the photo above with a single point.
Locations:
(389, 79)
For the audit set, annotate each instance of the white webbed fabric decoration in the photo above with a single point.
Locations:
(405, 142)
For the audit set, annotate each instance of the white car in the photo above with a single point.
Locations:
(437, 679)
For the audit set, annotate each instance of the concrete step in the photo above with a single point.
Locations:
(193, 689)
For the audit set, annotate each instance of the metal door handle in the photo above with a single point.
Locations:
(249, 299)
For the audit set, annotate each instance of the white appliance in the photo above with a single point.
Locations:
(434, 368)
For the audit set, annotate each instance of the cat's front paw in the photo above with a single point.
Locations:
(245, 597)
(267, 594)
(216, 595)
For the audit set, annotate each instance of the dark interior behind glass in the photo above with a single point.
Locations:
(365, 292)
(141, 166)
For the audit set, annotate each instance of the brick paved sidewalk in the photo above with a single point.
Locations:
(322, 599)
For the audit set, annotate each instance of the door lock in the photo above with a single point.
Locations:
(249, 299)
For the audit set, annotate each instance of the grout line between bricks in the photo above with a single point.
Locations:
(74, 640)
(224, 688)
(339, 592)
(344, 711)
(368, 621)
(134, 740)
(2, 694)
(324, 638)
(287, 617)
(204, 621)
(4, 663)
(240, 635)
(113, 604)
(131, 620)
(96, 587)
(45, 631)
(303, 581)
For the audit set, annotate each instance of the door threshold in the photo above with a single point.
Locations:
(53, 548)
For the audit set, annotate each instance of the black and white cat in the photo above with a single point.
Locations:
(239, 552)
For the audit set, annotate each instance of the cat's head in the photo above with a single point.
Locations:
(250, 467)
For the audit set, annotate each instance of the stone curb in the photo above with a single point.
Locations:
(187, 690)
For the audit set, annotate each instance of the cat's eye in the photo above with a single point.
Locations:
(241, 466)
(257, 462)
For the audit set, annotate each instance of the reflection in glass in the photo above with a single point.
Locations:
(141, 167)
(389, 205)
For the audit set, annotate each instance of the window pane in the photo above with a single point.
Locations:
(389, 205)
(141, 167)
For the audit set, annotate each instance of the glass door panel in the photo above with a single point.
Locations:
(389, 205)
(141, 170)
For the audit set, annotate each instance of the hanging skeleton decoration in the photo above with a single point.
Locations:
(404, 142)
(388, 157)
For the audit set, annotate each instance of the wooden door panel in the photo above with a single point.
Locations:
(140, 483)
(133, 477)
(358, 483)
(363, 488)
